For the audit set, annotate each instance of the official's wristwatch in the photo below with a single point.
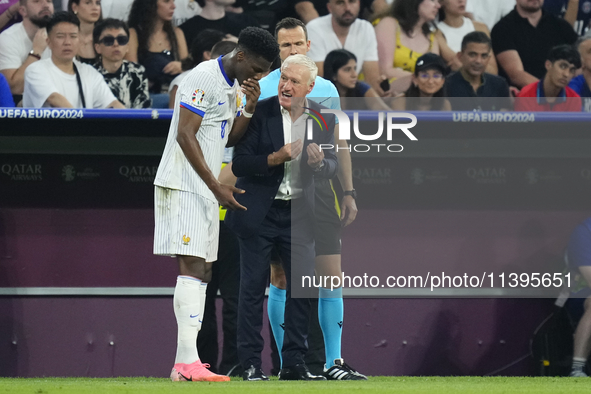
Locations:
(352, 193)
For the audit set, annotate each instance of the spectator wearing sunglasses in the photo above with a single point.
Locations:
(427, 90)
(125, 79)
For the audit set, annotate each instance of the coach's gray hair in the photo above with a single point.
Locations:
(305, 61)
(582, 39)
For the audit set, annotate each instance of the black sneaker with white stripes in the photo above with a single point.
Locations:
(341, 371)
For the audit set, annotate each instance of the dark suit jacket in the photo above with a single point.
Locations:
(261, 183)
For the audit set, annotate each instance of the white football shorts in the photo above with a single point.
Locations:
(185, 224)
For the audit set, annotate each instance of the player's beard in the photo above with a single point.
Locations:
(41, 22)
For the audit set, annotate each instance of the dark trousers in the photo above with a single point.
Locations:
(290, 231)
(226, 279)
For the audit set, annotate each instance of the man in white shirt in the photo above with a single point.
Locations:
(489, 12)
(62, 82)
(24, 43)
(341, 29)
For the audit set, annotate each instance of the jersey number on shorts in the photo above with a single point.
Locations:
(224, 124)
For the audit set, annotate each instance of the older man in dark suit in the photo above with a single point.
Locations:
(276, 164)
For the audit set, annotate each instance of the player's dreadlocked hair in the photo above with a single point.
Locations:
(258, 42)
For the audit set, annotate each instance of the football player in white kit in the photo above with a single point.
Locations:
(206, 119)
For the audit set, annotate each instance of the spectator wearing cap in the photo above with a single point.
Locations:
(125, 79)
(581, 83)
(427, 90)
(552, 93)
(522, 39)
(480, 91)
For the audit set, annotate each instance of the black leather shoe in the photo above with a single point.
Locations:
(298, 372)
(254, 374)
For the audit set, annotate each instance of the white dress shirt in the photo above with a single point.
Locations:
(291, 185)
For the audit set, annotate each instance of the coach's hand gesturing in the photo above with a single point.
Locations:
(315, 156)
(288, 152)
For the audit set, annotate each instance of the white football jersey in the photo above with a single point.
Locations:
(208, 92)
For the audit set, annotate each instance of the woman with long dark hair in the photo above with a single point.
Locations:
(88, 12)
(405, 31)
(427, 90)
(340, 68)
(155, 43)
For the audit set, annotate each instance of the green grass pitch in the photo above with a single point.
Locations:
(397, 385)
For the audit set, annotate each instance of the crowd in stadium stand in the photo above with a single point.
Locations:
(140, 57)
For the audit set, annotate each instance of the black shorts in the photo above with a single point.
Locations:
(327, 230)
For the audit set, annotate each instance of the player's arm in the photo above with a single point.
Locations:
(252, 90)
(189, 124)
